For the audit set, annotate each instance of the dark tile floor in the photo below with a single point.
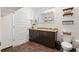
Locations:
(30, 47)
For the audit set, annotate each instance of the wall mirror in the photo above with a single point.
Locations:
(47, 17)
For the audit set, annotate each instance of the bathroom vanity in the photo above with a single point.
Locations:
(45, 37)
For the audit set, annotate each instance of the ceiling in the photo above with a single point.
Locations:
(41, 8)
(8, 10)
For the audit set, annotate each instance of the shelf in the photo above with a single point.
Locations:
(68, 22)
(66, 14)
(68, 9)
(66, 33)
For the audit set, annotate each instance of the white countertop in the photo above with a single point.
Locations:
(51, 30)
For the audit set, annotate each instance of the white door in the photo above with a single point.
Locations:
(6, 33)
(21, 25)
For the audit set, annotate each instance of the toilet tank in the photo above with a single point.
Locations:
(67, 38)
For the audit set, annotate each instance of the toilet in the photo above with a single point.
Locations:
(66, 43)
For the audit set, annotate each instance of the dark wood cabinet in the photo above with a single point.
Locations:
(33, 35)
(46, 38)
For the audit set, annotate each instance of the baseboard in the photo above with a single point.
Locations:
(14, 45)
(6, 48)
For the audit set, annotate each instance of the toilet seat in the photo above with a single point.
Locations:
(66, 45)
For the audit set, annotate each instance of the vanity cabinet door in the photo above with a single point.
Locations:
(36, 36)
(43, 37)
(48, 38)
(33, 35)
(30, 35)
(52, 39)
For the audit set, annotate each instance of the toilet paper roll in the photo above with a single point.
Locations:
(77, 49)
(76, 43)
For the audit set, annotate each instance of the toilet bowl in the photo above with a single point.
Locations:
(66, 44)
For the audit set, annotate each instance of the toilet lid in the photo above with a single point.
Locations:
(66, 44)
